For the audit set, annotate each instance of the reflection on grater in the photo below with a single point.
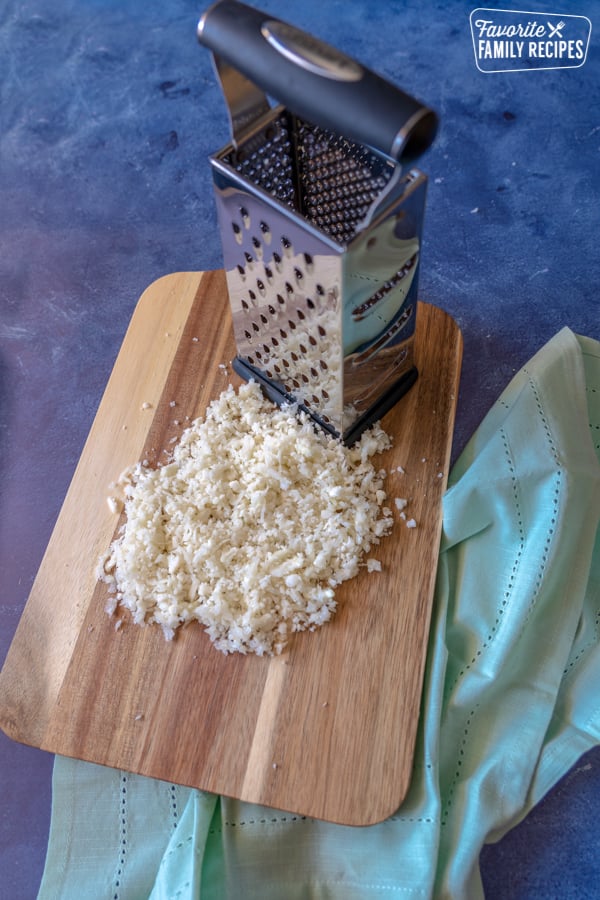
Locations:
(321, 227)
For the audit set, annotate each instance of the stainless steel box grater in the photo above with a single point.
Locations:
(320, 223)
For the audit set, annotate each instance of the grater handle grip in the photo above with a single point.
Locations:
(317, 82)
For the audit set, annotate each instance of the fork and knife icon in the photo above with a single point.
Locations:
(555, 30)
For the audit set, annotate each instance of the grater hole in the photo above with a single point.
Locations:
(274, 341)
(292, 324)
(263, 319)
(277, 260)
(245, 306)
(266, 349)
(301, 315)
(294, 356)
(310, 303)
(250, 360)
(261, 287)
(314, 372)
(303, 349)
(286, 363)
(315, 399)
(283, 334)
(245, 217)
(320, 290)
(268, 273)
(312, 340)
(323, 365)
(241, 272)
(280, 299)
(266, 231)
(248, 335)
(255, 327)
(289, 289)
(271, 309)
(322, 331)
(252, 296)
(299, 275)
(258, 354)
(324, 394)
(308, 260)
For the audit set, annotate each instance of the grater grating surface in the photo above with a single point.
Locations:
(328, 179)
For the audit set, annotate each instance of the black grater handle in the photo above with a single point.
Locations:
(317, 82)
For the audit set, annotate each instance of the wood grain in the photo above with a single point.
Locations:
(327, 729)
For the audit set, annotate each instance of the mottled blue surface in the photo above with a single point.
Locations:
(108, 111)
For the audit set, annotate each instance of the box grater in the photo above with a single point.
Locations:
(321, 214)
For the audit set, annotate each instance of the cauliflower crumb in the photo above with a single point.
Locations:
(411, 523)
(401, 503)
(250, 526)
(114, 504)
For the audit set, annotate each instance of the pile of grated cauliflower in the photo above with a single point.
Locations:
(250, 527)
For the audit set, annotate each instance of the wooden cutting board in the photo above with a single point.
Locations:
(327, 729)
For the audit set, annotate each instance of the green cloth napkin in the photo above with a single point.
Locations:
(510, 699)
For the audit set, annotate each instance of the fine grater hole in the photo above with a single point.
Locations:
(289, 289)
(315, 399)
(312, 340)
(294, 356)
(274, 341)
(324, 394)
(261, 287)
(268, 273)
(285, 363)
(303, 349)
(252, 296)
(280, 300)
(245, 306)
(300, 314)
(258, 354)
(245, 217)
(248, 335)
(310, 303)
(323, 365)
(322, 331)
(241, 272)
(255, 327)
(271, 309)
(298, 274)
(263, 319)
(314, 372)
(292, 324)
(237, 231)
(266, 349)
(283, 334)
(250, 360)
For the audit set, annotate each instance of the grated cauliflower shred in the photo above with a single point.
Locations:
(250, 526)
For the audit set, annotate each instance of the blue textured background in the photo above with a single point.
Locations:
(108, 111)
